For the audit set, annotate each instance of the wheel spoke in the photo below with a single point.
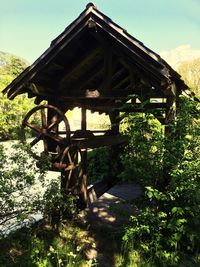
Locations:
(80, 173)
(33, 127)
(46, 131)
(69, 157)
(56, 138)
(75, 157)
(54, 123)
(35, 141)
(68, 180)
(43, 118)
(45, 143)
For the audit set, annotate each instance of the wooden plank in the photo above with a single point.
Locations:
(99, 141)
(84, 80)
(142, 107)
(96, 190)
(79, 64)
(107, 76)
(123, 81)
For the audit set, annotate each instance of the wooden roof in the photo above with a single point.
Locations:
(96, 64)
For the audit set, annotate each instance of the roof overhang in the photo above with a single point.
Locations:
(95, 63)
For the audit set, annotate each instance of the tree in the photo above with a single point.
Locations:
(12, 112)
(190, 72)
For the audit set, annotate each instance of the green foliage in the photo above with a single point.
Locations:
(98, 164)
(43, 246)
(166, 230)
(12, 112)
(27, 191)
(21, 186)
(142, 159)
(59, 206)
(11, 65)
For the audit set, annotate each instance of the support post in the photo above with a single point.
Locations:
(169, 137)
(83, 198)
(115, 150)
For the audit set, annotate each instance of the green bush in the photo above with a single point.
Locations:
(167, 229)
(26, 190)
(142, 158)
(99, 164)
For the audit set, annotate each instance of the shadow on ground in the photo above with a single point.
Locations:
(106, 219)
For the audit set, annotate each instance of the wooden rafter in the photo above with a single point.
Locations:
(81, 62)
(108, 68)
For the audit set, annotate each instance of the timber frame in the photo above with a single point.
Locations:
(95, 64)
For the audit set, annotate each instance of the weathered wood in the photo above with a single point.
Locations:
(99, 141)
(83, 119)
(125, 82)
(81, 62)
(46, 130)
(85, 80)
(108, 68)
(169, 137)
(97, 189)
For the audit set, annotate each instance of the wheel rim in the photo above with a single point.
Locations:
(45, 131)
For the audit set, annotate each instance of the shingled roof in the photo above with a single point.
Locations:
(95, 63)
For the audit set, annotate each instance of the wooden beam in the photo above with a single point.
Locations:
(117, 74)
(85, 79)
(115, 120)
(107, 76)
(97, 190)
(81, 62)
(171, 107)
(122, 82)
(142, 107)
(141, 58)
(83, 119)
(100, 141)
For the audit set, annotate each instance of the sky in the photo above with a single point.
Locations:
(27, 27)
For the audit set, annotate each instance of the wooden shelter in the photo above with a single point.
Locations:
(97, 65)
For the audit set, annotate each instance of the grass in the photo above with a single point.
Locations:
(44, 246)
(73, 244)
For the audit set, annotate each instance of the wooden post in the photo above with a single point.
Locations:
(115, 150)
(169, 137)
(83, 198)
(83, 119)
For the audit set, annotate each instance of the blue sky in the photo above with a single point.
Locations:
(28, 26)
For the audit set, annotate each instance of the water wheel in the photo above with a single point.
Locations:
(71, 168)
(41, 131)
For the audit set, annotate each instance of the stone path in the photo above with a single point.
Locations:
(105, 217)
(114, 206)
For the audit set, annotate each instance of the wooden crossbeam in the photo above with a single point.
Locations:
(100, 141)
(88, 77)
(122, 82)
(81, 62)
(107, 76)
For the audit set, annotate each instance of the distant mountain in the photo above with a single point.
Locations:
(180, 54)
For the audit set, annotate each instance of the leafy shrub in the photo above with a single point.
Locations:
(26, 190)
(99, 167)
(142, 158)
(166, 230)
